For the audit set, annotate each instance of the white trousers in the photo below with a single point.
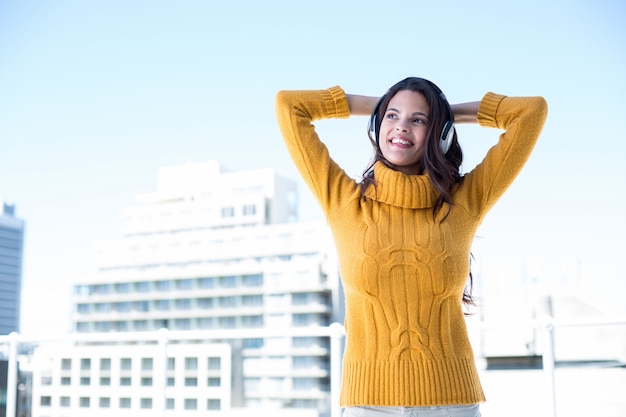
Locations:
(438, 411)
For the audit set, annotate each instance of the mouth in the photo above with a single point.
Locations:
(400, 141)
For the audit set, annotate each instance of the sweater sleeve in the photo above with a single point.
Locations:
(295, 112)
(522, 118)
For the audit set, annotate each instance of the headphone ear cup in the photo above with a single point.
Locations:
(374, 124)
(371, 127)
(447, 134)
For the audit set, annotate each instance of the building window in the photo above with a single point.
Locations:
(146, 364)
(125, 381)
(171, 381)
(85, 381)
(191, 404)
(142, 287)
(102, 289)
(205, 303)
(126, 364)
(46, 380)
(213, 382)
(252, 321)
(163, 286)
(253, 343)
(191, 382)
(146, 403)
(82, 308)
(228, 281)
(213, 404)
(141, 306)
(169, 403)
(227, 322)
(105, 381)
(191, 364)
(122, 288)
(204, 322)
(124, 402)
(303, 403)
(252, 300)
(123, 307)
(252, 384)
(184, 284)
(104, 402)
(214, 364)
(227, 212)
(304, 384)
(182, 324)
(65, 401)
(227, 302)
(303, 319)
(84, 402)
(85, 364)
(162, 305)
(183, 304)
(146, 382)
(45, 401)
(249, 210)
(171, 364)
(255, 280)
(102, 307)
(102, 326)
(105, 364)
(300, 298)
(206, 283)
(66, 380)
(140, 325)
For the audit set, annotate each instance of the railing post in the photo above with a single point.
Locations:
(547, 328)
(336, 336)
(161, 368)
(12, 376)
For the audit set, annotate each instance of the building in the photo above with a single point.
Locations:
(11, 249)
(97, 380)
(209, 251)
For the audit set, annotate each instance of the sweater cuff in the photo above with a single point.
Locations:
(488, 109)
(340, 101)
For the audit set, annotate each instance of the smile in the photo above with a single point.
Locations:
(400, 141)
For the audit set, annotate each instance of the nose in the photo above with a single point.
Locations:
(401, 126)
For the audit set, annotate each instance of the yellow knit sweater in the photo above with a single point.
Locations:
(403, 271)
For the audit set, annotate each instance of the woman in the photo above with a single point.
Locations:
(404, 234)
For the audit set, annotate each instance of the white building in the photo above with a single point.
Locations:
(136, 380)
(209, 251)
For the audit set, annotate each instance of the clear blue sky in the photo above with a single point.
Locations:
(95, 96)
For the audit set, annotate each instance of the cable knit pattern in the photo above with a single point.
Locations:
(403, 271)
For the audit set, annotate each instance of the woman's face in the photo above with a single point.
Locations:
(402, 137)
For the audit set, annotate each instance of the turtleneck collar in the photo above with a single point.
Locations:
(398, 189)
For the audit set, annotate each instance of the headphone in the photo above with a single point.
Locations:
(447, 132)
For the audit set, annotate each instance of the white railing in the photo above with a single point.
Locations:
(335, 332)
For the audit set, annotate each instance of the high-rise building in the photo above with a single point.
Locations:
(212, 251)
(11, 249)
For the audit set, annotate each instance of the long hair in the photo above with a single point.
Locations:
(443, 169)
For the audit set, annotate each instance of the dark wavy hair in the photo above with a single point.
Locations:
(443, 169)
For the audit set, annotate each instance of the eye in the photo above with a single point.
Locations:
(418, 121)
(391, 116)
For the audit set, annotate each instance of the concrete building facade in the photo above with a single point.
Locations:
(211, 251)
(11, 253)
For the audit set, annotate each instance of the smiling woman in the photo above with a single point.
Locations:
(404, 234)
(403, 129)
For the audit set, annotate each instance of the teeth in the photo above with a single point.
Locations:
(400, 141)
